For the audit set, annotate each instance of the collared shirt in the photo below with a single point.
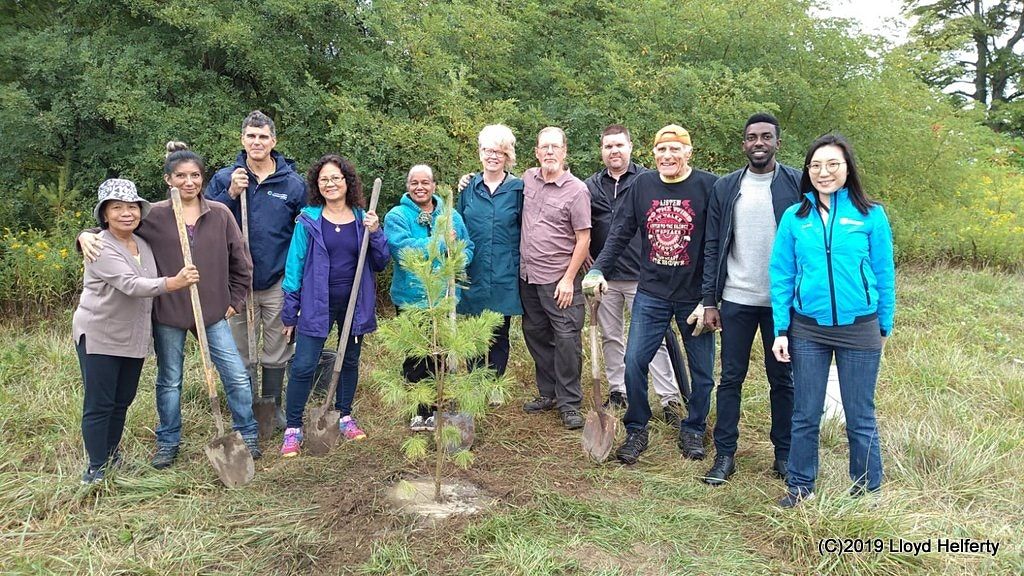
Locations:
(552, 213)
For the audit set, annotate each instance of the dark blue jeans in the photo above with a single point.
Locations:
(739, 326)
(651, 318)
(858, 374)
(304, 363)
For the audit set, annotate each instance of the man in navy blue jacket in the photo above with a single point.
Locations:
(743, 215)
(275, 193)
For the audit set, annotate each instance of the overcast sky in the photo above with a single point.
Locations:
(875, 16)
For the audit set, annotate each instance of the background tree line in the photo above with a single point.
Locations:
(92, 89)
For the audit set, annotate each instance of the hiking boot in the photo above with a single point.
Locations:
(673, 410)
(350, 429)
(429, 424)
(720, 472)
(616, 400)
(635, 444)
(93, 475)
(779, 469)
(793, 499)
(539, 404)
(164, 457)
(253, 446)
(692, 445)
(292, 442)
(572, 420)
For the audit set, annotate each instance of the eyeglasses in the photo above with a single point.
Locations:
(491, 153)
(830, 166)
(336, 180)
(549, 147)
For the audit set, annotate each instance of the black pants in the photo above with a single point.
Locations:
(497, 354)
(110, 386)
(739, 325)
(416, 369)
(552, 335)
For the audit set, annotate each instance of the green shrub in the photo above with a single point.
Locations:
(40, 272)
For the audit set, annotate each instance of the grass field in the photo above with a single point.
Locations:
(951, 409)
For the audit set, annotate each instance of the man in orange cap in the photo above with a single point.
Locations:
(669, 207)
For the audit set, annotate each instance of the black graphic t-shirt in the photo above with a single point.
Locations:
(671, 217)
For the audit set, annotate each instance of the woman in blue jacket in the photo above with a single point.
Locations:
(491, 205)
(318, 280)
(833, 292)
(409, 226)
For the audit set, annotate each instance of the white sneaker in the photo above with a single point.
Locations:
(428, 424)
(418, 424)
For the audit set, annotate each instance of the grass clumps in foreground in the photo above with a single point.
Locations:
(950, 404)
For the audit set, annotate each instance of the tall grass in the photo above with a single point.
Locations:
(951, 409)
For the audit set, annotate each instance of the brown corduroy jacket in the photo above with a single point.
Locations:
(218, 251)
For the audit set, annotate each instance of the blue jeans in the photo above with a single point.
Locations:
(169, 343)
(858, 373)
(739, 325)
(651, 318)
(304, 363)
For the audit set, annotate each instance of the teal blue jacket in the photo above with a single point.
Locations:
(493, 221)
(836, 271)
(402, 227)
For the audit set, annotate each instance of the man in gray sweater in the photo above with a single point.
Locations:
(743, 213)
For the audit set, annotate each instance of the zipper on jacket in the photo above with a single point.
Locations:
(723, 247)
(799, 301)
(827, 236)
(864, 280)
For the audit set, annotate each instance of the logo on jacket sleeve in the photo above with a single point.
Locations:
(669, 225)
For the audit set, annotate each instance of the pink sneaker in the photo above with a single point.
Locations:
(292, 441)
(350, 429)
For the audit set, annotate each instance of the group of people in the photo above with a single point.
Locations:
(806, 258)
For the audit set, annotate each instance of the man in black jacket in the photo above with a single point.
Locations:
(608, 188)
(743, 215)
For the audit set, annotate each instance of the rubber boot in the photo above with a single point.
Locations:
(273, 383)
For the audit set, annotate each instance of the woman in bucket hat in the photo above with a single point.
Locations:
(111, 326)
(219, 252)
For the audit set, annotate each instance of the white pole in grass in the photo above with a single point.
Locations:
(833, 400)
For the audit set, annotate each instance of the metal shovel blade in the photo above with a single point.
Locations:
(265, 411)
(322, 434)
(231, 459)
(598, 435)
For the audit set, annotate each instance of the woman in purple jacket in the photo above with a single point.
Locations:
(318, 280)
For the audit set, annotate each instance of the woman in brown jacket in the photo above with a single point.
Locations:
(220, 255)
(112, 326)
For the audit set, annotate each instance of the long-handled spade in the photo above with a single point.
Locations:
(227, 452)
(264, 409)
(322, 432)
(599, 429)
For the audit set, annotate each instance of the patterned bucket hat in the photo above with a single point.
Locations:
(119, 189)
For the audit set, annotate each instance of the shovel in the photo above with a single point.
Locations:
(264, 409)
(599, 429)
(227, 452)
(322, 433)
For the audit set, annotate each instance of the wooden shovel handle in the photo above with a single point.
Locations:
(197, 311)
(250, 310)
(595, 363)
(346, 326)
